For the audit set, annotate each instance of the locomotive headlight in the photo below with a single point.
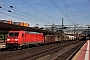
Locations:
(8, 39)
(16, 39)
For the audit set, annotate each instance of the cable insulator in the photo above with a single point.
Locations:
(9, 11)
(0, 7)
(11, 6)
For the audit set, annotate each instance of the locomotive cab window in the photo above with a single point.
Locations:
(14, 34)
(22, 35)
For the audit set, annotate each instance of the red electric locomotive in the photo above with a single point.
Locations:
(17, 39)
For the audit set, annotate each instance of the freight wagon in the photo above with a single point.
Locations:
(49, 39)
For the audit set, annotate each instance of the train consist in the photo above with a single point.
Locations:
(18, 39)
(15, 23)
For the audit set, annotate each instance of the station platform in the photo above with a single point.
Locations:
(2, 44)
(83, 53)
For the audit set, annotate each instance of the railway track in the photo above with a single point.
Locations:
(39, 53)
(69, 52)
(59, 53)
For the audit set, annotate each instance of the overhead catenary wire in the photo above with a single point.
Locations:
(57, 7)
(2, 17)
(32, 17)
(26, 14)
(13, 16)
(64, 13)
(61, 11)
(20, 15)
(69, 9)
(37, 9)
(35, 17)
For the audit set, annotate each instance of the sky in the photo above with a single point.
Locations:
(46, 12)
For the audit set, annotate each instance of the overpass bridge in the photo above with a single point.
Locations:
(7, 27)
(75, 30)
(4, 28)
